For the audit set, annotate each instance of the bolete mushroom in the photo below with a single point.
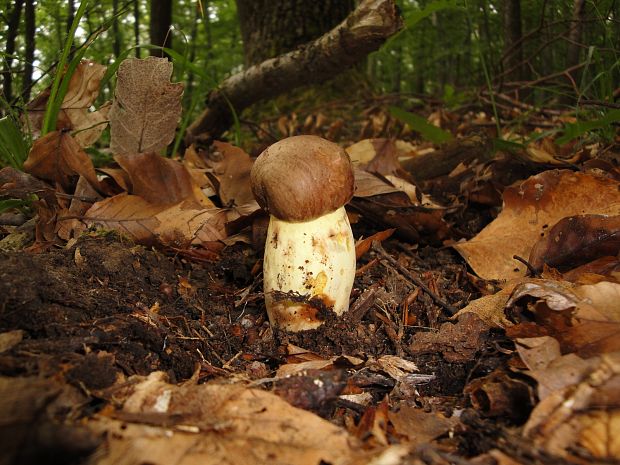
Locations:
(303, 182)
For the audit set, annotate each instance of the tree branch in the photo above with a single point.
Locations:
(362, 32)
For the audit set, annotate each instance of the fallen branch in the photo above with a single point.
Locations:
(362, 32)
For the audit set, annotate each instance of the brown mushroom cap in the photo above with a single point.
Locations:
(301, 178)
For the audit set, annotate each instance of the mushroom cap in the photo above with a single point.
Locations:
(302, 177)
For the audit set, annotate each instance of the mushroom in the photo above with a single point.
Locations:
(303, 182)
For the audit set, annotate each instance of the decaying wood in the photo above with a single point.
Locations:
(446, 158)
(362, 32)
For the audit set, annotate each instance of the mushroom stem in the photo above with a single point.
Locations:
(308, 270)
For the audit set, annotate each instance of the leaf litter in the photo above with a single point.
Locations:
(135, 355)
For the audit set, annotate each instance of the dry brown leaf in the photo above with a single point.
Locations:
(362, 246)
(457, 342)
(177, 225)
(232, 167)
(367, 184)
(418, 426)
(217, 424)
(10, 339)
(74, 115)
(530, 209)
(576, 240)
(146, 107)
(159, 180)
(83, 198)
(584, 319)
(490, 308)
(58, 157)
(580, 407)
(82, 92)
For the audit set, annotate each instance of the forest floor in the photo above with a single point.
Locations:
(113, 352)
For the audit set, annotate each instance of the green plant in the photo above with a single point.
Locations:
(14, 146)
(419, 124)
(61, 80)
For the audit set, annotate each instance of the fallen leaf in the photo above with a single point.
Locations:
(581, 408)
(75, 115)
(68, 220)
(177, 225)
(57, 157)
(363, 246)
(419, 426)
(215, 424)
(232, 167)
(146, 107)
(457, 342)
(10, 339)
(530, 209)
(584, 319)
(576, 240)
(159, 180)
(82, 92)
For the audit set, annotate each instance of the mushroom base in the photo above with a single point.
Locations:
(308, 270)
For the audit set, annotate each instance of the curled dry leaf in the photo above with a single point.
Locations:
(177, 225)
(69, 219)
(232, 166)
(57, 157)
(584, 319)
(577, 240)
(146, 107)
(161, 423)
(530, 210)
(579, 406)
(419, 426)
(74, 115)
(159, 180)
(82, 92)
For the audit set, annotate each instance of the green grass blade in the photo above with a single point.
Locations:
(417, 123)
(13, 148)
(55, 99)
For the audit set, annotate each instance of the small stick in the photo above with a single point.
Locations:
(530, 268)
(376, 246)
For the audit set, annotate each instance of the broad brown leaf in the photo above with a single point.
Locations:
(177, 225)
(232, 167)
(530, 210)
(159, 180)
(146, 107)
(58, 157)
(75, 115)
(577, 240)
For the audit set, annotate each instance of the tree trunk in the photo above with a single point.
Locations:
(574, 33)
(362, 32)
(512, 60)
(272, 27)
(30, 47)
(7, 76)
(136, 26)
(70, 14)
(116, 44)
(161, 20)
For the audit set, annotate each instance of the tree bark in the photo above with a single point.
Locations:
(574, 33)
(362, 32)
(272, 27)
(136, 26)
(161, 20)
(116, 43)
(7, 76)
(512, 60)
(30, 47)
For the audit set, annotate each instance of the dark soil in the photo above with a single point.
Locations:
(103, 309)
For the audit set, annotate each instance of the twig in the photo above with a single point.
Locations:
(530, 268)
(376, 246)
